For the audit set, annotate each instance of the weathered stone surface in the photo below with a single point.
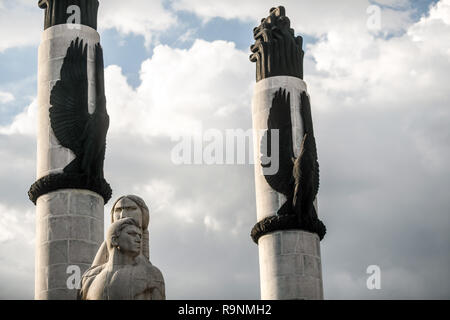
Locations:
(41, 279)
(80, 228)
(53, 252)
(312, 267)
(58, 157)
(82, 251)
(306, 287)
(49, 72)
(53, 141)
(57, 276)
(286, 265)
(58, 227)
(85, 203)
(41, 229)
(65, 237)
(309, 243)
(53, 204)
(59, 294)
(271, 244)
(289, 242)
(287, 272)
(96, 230)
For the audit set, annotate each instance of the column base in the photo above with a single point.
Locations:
(69, 231)
(290, 266)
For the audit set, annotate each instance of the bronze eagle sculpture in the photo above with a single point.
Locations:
(296, 178)
(73, 125)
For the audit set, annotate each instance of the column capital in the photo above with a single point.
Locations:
(56, 12)
(277, 51)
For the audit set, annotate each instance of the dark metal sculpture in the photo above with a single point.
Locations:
(77, 129)
(56, 12)
(296, 178)
(276, 51)
(58, 181)
(74, 127)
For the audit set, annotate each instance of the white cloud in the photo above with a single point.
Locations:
(188, 36)
(159, 194)
(429, 30)
(441, 11)
(23, 123)
(401, 72)
(393, 3)
(394, 21)
(16, 225)
(180, 89)
(138, 17)
(6, 97)
(21, 23)
(224, 9)
(16, 252)
(211, 223)
(307, 17)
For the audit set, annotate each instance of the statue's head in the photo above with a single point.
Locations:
(131, 206)
(125, 235)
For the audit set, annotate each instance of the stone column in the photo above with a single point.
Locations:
(69, 221)
(289, 251)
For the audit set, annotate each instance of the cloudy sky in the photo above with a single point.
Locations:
(380, 97)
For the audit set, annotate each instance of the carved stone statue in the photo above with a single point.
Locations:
(56, 12)
(126, 275)
(130, 206)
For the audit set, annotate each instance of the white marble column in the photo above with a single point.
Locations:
(69, 222)
(290, 264)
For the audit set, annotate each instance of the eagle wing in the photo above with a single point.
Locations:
(279, 119)
(69, 99)
(99, 80)
(309, 162)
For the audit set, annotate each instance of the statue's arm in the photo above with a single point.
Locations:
(159, 292)
(156, 285)
(86, 281)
